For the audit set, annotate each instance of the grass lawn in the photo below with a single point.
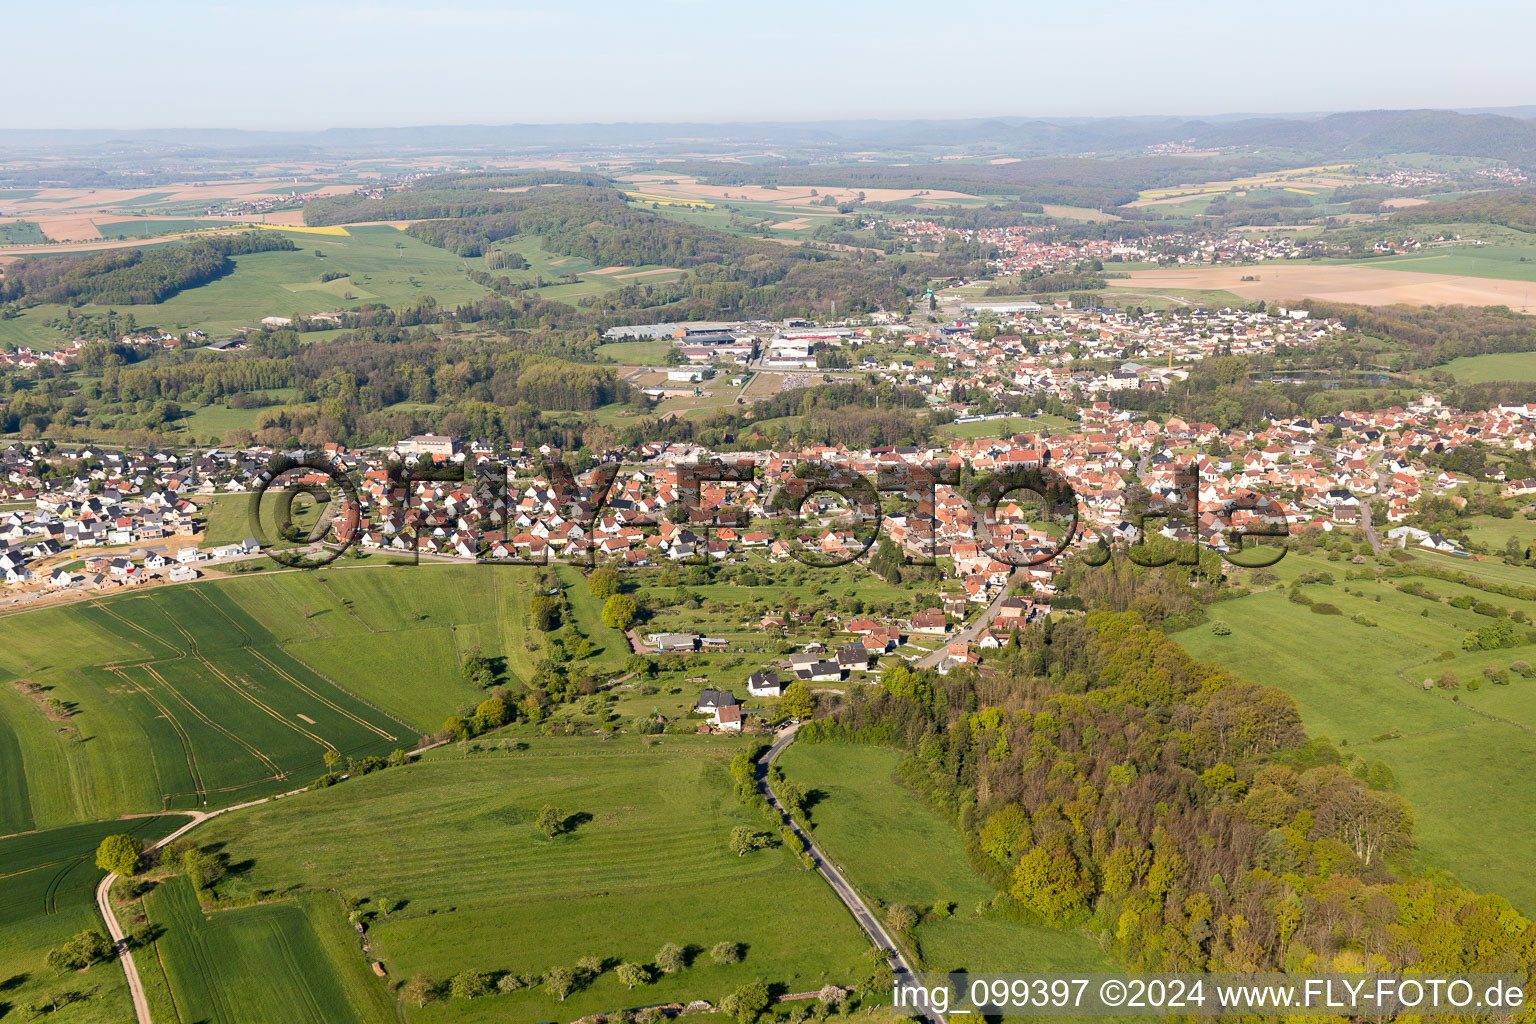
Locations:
(47, 896)
(217, 420)
(896, 850)
(1360, 687)
(298, 963)
(1496, 366)
(643, 353)
(450, 847)
(1044, 423)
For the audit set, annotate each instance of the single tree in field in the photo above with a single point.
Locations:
(558, 982)
(550, 821)
(726, 953)
(590, 965)
(744, 840)
(630, 975)
(670, 958)
(332, 758)
(470, 985)
(901, 917)
(420, 989)
(119, 855)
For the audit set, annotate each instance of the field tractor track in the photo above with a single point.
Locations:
(203, 717)
(199, 788)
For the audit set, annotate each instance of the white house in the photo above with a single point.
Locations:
(765, 684)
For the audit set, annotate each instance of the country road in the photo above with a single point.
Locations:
(972, 631)
(115, 930)
(850, 897)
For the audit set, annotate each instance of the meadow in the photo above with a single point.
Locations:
(20, 232)
(1496, 366)
(453, 874)
(384, 265)
(225, 690)
(898, 851)
(1458, 756)
(47, 896)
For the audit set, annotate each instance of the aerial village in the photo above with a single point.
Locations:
(86, 519)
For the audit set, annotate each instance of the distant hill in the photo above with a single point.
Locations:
(1371, 133)
(99, 155)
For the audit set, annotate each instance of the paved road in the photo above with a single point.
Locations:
(974, 630)
(850, 897)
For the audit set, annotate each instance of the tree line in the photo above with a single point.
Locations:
(1102, 776)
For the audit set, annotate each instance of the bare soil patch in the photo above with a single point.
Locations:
(1370, 286)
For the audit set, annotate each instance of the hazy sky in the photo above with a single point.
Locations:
(288, 64)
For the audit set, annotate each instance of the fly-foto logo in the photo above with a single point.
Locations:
(820, 514)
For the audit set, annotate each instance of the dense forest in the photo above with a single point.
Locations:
(1069, 180)
(1437, 334)
(131, 276)
(1102, 776)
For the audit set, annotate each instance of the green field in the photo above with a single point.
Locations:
(47, 896)
(385, 265)
(180, 699)
(225, 690)
(1497, 366)
(1006, 428)
(297, 963)
(1510, 262)
(449, 845)
(149, 227)
(20, 232)
(643, 353)
(896, 850)
(1361, 688)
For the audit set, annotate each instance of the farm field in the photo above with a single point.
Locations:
(1368, 285)
(1360, 687)
(896, 850)
(226, 690)
(47, 896)
(20, 232)
(299, 963)
(1513, 262)
(450, 844)
(174, 698)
